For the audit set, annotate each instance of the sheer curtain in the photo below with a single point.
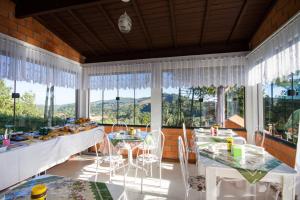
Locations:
(277, 57)
(24, 62)
(188, 71)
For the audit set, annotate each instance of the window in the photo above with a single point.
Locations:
(282, 107)
(131, 106)
(6, 103)
(30, 107)
(198, 106)
(64, 105)
(39, 105)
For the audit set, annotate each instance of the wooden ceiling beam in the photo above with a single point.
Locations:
(71, 31)
(142, 23)
(89, 30)
(30, 8)
(112, 24)
(173, 23)
(238, 20)
(208, 4)
(171, 52)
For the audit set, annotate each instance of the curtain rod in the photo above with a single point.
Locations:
(274, 34)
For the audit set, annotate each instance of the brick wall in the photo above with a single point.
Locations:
(31, 31)
(279, 150)
(281, 12)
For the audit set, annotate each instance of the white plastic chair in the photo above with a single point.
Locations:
(190, 182)
(114, 160)
(153, 150)
(123, 125)
(188, 149)
(147, 126)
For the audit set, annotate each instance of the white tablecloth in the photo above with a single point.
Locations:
(24, 162)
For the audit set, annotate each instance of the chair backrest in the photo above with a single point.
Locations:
(108, 145)
(121, 125)
(147, 126)
(186, 144)
(155, 140)
(183, 162)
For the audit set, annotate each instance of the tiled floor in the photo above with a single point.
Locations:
(84, 167)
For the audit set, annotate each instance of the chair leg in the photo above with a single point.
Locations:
(142, 182)
(124, 178)
(160, 174)
(151, 170)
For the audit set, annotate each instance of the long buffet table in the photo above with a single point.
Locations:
(24, 162)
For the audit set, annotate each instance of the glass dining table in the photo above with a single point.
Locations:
(215, 160)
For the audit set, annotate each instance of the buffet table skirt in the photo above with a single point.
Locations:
(24, 162)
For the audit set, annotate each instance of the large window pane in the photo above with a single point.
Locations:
(126, 106)
(6, 103)
(235, 104)
(282, 107)
(96, 105)
(142, 106)
(194, 106)
(132, 108)
(30, 106)
(64, 105)
(198, 106)
(110, 107)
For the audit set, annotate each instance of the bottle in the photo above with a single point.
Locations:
(39, 192)
(229, 141)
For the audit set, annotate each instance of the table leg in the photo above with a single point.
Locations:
(211, 183)
(288, 190)
(131, 164)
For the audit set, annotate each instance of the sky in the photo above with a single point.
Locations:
(62, 95)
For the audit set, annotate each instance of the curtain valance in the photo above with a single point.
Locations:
(24, 62)
(278, 56)
(204, 70)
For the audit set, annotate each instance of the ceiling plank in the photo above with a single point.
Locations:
(141, 20)
(89, 30)
(237, 20)
(71, 31)
(173, 23)
(171, 52)
(30, 8)
(208, 4)
(112, 24)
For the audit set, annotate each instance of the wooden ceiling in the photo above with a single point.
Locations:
(160, 27)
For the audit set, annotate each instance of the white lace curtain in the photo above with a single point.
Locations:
(24, 62)
(279, 56)
(187, 71)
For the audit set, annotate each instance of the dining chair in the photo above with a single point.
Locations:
(190, 182)
(188, 149)
(115, 160)
(121, 125)
(147, 126)
(153, 146)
